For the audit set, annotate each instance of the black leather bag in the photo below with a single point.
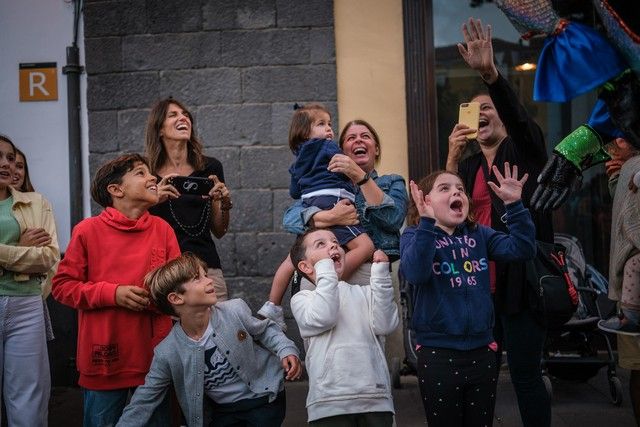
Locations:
(552, 295)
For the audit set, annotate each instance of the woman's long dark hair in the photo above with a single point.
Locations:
(153, 145)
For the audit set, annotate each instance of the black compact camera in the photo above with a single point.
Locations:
(192, 185)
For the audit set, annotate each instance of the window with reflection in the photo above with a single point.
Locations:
(587, 214)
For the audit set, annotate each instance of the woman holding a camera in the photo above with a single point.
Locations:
(193, 197)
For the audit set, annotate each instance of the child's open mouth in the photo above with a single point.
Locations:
(336, 258)
(456, 206)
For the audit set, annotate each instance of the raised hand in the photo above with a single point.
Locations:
(510, 188)
(424, 209)
(556, 181)
(478, 53)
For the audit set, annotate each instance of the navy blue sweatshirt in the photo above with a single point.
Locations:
(450, 276)
(309, 171)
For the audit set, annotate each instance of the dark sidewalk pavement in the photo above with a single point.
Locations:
(583, 404)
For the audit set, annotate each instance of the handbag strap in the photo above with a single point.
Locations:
(561, 261)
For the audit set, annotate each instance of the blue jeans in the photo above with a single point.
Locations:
(103, 408)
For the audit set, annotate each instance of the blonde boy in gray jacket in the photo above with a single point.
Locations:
(217, 351)
(345, 324)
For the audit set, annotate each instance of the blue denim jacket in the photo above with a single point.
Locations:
(382, 222)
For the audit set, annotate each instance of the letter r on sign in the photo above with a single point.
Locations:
(38, 81)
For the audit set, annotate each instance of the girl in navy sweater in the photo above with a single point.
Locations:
(446, 257)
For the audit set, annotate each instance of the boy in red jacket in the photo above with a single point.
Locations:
(102, 275)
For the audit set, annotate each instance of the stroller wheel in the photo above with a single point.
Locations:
(547, 385)
(615, 387)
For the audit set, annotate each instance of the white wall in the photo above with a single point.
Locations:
(40, 31)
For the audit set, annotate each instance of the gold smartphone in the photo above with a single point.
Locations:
(470, 116)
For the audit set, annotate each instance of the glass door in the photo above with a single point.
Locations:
(587, 214)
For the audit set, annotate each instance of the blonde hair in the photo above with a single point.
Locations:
(170, 278)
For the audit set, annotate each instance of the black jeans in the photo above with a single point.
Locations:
(366, 419)
(457, 387)
(523, 340)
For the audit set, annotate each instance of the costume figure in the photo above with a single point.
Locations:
(575, 60)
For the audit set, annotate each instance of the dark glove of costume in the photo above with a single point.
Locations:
(556, 181)
(578, 151)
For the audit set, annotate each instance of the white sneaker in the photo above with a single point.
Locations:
(274, 312)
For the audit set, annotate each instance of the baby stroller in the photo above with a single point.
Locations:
(408, 335)
(572, 351)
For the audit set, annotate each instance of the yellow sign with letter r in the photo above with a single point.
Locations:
(38, 81)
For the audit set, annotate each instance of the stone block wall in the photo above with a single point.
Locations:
(239, 65)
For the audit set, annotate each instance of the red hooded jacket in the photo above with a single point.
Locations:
(115, 345)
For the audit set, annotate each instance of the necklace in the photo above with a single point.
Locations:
(198, 228)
